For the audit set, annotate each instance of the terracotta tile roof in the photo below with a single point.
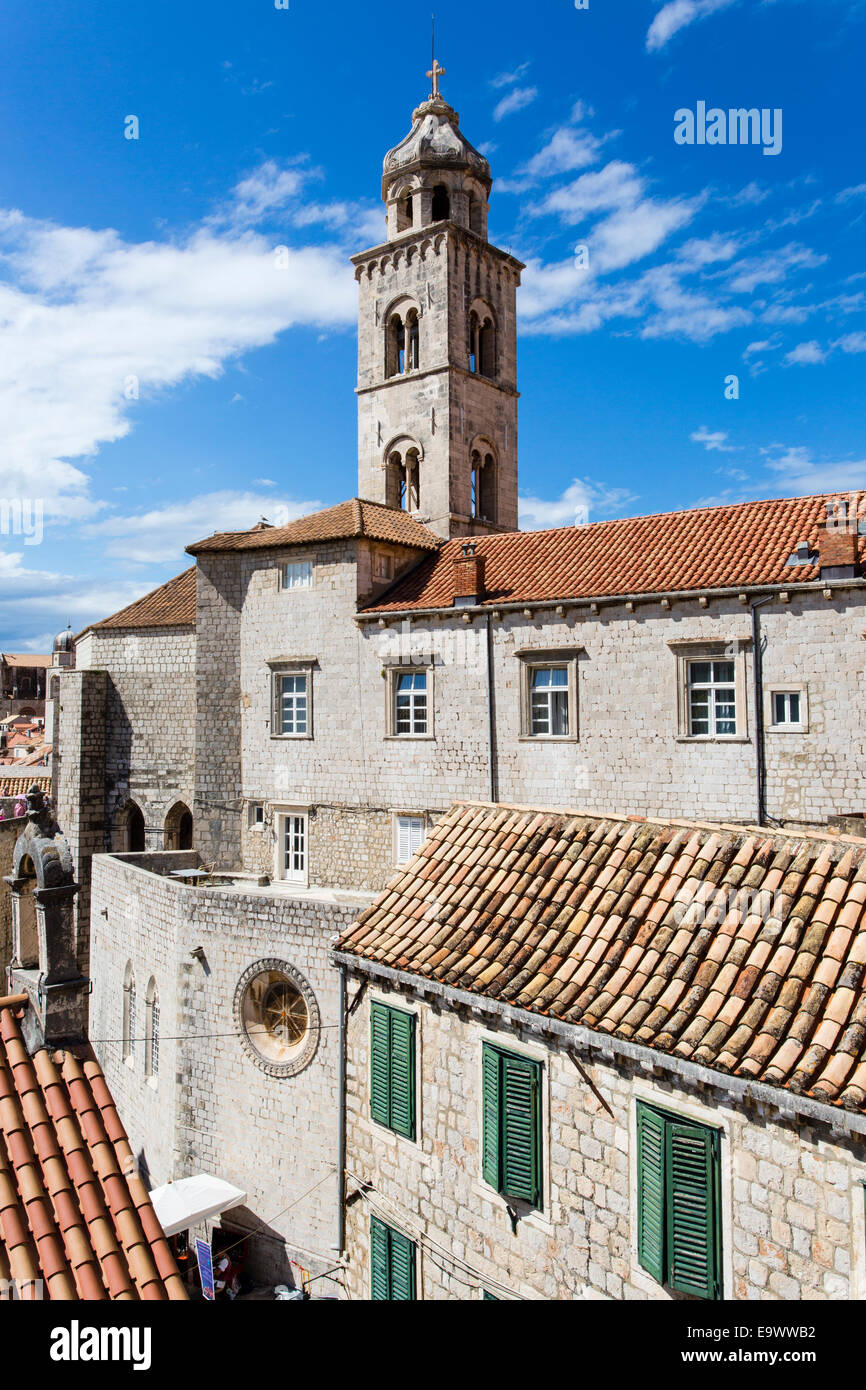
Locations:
(343, 522)
(73, 1210)
(28, 659)
(171, 605)
(19, 786)
(706, 548)
(598, 922)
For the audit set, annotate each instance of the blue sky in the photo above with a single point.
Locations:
(161, 379)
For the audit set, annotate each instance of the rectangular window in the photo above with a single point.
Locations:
(298, 574)
(789, 710)
(712, 698)
(392, 1264)
(257, 815)
(511, 1098)
(679, 1206)
(410, 837)
(549, 701)
(410, 702)
(392, 1068)
(293, 848)
(383, 565)
(291, 701)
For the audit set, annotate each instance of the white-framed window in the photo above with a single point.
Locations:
(712, 699)
(711, 689)
(548, 707)
(257, 815)
(291, 717)
(787, 709)
(409, 835)
(293, 846)
(410, 695)
(548, 694)
(298, 574)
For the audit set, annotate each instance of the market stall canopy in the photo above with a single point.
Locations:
(189, 1201)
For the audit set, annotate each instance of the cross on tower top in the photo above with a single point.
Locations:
(436, 73)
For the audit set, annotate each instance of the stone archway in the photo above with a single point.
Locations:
(129, 830)
(177, 833)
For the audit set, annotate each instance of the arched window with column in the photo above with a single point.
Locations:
(483, 464)
(404, 211)
(482, 340)
(403, 484)
(177, 832)
(128, 1045)
(151, 1044)
(402, 340)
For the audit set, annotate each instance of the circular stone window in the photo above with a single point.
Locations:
(277, 1017)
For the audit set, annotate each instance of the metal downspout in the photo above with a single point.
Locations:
(341, 1135)
(758, 674)
(491, 722)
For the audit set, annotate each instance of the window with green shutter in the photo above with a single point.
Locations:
(392, 1068)
(679, 1207)
(392, 1264)
(511, 1103)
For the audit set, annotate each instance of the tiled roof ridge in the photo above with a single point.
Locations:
(350, 518)
(732, 827)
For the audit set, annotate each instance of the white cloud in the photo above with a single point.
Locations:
(567, 149)
(677, 14)
(858, 190)
(852, 342)
(158, 536)
(516, 100)
(799, 474)
(806, 354)
(508, 79)
(773, 267)
(91, 327)
(574, 507)
(714, 441)
(268, 189)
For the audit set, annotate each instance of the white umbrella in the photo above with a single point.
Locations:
(189, 1201)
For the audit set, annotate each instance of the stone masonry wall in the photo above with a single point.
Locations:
(212, 1108)
(792, 1197)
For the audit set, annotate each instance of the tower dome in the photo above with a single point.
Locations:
(434, 174)
(64, 641)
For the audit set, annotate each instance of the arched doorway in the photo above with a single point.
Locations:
(178, 827)
(129, 830)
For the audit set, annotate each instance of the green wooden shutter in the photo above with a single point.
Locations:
(402, 1267)
(692, 1162)
(521, 1129)
(402, 1078)
(651, 1191)
(380, 1064)
(380, 1283)
(491, 1142)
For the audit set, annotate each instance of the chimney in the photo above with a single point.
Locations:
(838, 548)
(468, 577)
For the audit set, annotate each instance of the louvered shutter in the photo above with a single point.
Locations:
(651, 1191)
(402, 1074)
(402, 1267)
(404, 850)
(380, 1064)
(521, 1129)
(416, 835)
(491, 1142)
(277, 691)
(691, 1160)
(380, 1283)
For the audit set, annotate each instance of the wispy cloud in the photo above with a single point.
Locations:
(582, 501)
(675, 15)
(806, 354)
(714, 441)
(516, 100)
(508, 79)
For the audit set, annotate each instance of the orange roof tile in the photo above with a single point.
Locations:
(707, 548)
(742, 950)
(19, 786)
(171, 605)
(343, 522)
(27, 659)
(73, 1211)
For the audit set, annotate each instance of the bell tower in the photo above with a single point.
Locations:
(437, 338)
